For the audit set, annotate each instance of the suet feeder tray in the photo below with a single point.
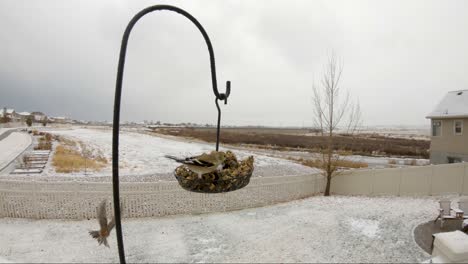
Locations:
(234, 175)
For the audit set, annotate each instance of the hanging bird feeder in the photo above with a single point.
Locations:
(234, 174)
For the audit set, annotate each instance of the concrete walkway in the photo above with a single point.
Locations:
(12, 146)
(5, 132)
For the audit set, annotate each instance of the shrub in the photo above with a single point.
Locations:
(68, 160)
(29, 121)
(43, 145)
(45, 142)
(48, 137)
(410, 162)
(317, 163)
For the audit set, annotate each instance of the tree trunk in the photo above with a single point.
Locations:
(327, 188)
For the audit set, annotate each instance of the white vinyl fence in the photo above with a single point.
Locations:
(78, 200)
(409, 181)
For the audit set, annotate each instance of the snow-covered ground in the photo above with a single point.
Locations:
(142, 154)
(317, 229)
(421, 132)
(12, 146)
(372, 162)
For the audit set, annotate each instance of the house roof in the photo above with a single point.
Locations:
(8, 110)
(24, 113)
(453, 105)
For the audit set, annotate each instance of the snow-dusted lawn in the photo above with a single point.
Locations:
(144, 154)
(317, 229)
(12, 146)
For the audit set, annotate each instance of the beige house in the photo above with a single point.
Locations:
(449, 129)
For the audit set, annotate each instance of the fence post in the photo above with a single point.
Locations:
(399, 182)
(35, 202)
(465, 175)
(431, 178)
(462, 179)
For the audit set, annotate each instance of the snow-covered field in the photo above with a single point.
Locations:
(421, 132)
(141, 155)
(407, 132)
(12, 146)
(317, 229)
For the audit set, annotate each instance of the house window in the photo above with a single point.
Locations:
(436, 128)
(454, 160)
(458, 127)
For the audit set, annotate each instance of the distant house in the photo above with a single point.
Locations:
(449, 129)
(23, 115)
(61, 120)
(38, 116)
(10, 114)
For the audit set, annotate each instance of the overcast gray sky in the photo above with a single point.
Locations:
(400, 58)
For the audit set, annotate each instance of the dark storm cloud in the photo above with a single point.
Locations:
(400, 57)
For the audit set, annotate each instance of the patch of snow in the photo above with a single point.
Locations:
(4, 260)
(367, 227)
(317, 229)
(142, 154)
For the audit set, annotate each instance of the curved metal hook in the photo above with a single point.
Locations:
(117, 100)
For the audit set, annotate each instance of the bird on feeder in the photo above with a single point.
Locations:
(202, 164)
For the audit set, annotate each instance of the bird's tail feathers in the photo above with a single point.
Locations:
(174, 158)
(101, 240)
(94, 234)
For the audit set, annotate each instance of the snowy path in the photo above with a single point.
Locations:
(5, 132)
(12, 146)
(318, 229)
(142, 154)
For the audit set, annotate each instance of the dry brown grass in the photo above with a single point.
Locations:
(43, 145)
(67, 159)
(392, 161)
(411, 162)
(66, 141)
(45, 142)
(317, 163)
(272, 139)
(351, 164)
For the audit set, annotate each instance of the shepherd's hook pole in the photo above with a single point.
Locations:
(117, 99)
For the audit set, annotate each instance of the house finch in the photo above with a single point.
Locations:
(205, 163)
(102, 234)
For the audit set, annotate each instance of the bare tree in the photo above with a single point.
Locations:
(44, 121)
(333, 109)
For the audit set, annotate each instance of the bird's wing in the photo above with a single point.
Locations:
(199, 162)
(101, 214)
(111, 224)
(191, 161)
(174, 158)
